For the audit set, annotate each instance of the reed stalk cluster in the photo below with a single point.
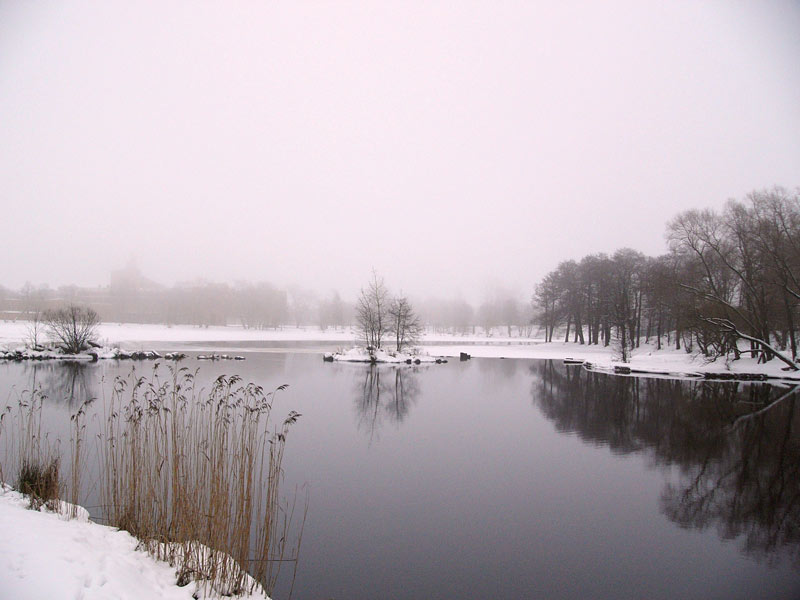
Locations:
(194, 474)
(33, 455)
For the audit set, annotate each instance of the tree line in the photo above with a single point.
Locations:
(728, 276)
(132, 298)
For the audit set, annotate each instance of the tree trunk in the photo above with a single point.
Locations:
(579, 329)
(790, 326)
(658, 332)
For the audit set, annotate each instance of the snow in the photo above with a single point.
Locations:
(45, 555)
(644, 360)
(128, 334)
(133, 334)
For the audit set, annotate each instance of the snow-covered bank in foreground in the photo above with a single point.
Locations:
(46, 556)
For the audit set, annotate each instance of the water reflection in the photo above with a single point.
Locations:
(750, 490)
(68, 382)
(736, 446)
(385, 392)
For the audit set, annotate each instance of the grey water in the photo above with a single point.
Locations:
(514, 478)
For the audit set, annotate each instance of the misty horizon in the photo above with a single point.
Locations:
(457, 150)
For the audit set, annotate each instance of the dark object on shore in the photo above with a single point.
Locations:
(144, 355)
(327, 357)
(737, 376)
(218, 357)
(620, 370)
(464, 356)
(572, 361)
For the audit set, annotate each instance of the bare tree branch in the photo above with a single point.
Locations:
(727, 325)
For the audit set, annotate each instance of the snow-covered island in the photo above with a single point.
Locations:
(361, 354)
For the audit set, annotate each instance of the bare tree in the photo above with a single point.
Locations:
(35, 329)
(625, 298)
(404, 323)
(545, 300)
(331, 312)
(73, 326)
(372, 312)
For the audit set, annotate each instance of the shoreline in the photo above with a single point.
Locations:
(645, 360)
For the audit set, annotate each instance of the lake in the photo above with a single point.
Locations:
(499, 478)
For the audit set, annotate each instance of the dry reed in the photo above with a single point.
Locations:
(33, 457)
(195, 475)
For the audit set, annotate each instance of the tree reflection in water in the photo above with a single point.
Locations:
(737, 446)
(386, 392)
(70, 382)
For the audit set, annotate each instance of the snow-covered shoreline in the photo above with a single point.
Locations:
(46, 555)
(645, 360)
(94, 354)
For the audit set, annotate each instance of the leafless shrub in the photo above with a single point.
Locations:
(73, 326)
(40, 482)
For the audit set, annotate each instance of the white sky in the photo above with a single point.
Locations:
(454, 146)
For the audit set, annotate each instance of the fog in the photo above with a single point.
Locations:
(454, 147)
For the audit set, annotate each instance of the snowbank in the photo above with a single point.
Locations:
(45, 555)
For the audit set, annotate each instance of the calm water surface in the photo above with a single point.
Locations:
(516, 479)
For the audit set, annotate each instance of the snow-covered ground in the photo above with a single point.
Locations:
(646, 358)
(47, 556)
(15, 332)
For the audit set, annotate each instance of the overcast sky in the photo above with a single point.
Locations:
(454, 146)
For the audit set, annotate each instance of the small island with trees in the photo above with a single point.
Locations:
(382, 316)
